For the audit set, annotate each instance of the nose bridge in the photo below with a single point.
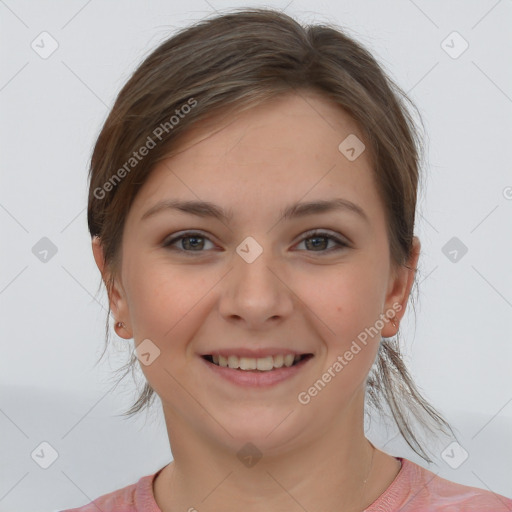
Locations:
(253, 290)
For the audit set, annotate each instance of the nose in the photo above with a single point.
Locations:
(256, 294)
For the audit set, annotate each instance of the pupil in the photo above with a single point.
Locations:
(192, 240)
(315, 241)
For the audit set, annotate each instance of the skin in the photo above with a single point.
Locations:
(315, 300)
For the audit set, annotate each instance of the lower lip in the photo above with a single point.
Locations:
(255, 378)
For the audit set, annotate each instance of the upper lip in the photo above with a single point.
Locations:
(254, 353)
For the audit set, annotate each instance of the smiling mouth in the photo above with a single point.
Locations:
(263, 364)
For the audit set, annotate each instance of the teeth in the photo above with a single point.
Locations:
(244, 363)
(250, 363)
(278, 361)
(288, 359)
(265, 363)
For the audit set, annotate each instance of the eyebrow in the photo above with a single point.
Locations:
(296, 210)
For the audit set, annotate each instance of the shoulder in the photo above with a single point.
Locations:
(132, 498)
(417, 489)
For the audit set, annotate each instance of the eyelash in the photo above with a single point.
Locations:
(310, 234)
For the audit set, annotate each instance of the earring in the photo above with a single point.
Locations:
(120, 324)
(393, 322)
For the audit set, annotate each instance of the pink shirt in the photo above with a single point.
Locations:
(413, 489)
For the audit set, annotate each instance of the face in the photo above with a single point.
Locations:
(319, 283)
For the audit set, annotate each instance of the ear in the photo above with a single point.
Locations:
(399, 288)
(116, 295)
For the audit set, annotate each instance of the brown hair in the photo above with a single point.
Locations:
(235, 61)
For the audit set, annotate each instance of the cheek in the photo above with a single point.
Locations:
(163, 301)
(346, 311)
(166, 308)
(348, 301)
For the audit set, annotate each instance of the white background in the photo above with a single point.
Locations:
(52, 321)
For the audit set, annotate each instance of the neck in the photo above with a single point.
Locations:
(333, 472)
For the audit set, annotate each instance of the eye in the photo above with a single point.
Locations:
(193, 241)
(320, 239)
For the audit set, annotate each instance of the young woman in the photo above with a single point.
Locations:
(252, 206)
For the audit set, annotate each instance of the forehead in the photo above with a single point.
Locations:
(274, 153)
(293, 117)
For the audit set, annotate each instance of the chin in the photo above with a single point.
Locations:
(267, 430)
